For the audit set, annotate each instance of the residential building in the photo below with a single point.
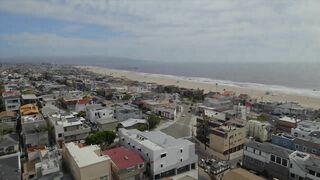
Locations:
(268, 159)
(220, 102)
(227, 142)
(167, 112)
(68, 127)
(34, 130)
(9, 144)
(165, 156)
(11, 100)
(126, 163)
(10, 166)
(107, 124)
(308, 131)
(133, 124)
(125, 112)
(283, 140)
(306, 146)
(289, 109)
(28, 99)
(203, 128)
(28, 109)
(97, 111)
(8, 121)
(286, 123)
(86, 162)
(211, 113)
(43, 163)
(259, 130)
(10, 87)
(304, 166)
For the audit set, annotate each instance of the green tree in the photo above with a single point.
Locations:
(153, 121)
(102, 138)
(126, 97)
(82, 114)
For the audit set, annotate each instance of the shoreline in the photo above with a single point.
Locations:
(305, 97)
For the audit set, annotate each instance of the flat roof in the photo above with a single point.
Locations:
(28, 96)
(85, 156)
(289, 119)
(131, 122)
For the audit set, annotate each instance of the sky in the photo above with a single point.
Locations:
(163, 30)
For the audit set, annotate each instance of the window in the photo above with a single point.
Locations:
(300, 178)
(292, 175)
(59, 135)
(313, 173)
(122, 139)
(290, 165)
(161, 165)
(181, 159)
(140, 166)
(318, 174)
(260, 153)
(314, 151)
(278, 160)
(297, 146)
(284, 162)
(163, 155)
(139, 149)
(133, 147)
(273, 158)
(181, 150)
(254, 151)
(304, 148)
(147, 154)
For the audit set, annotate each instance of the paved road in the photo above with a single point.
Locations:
(182, 127)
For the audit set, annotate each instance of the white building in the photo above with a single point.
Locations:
(307, 130)
(221, 116)
(304, 166)
(259, 130)
(69, 127)
(166, 156)
(11, 100)
(97, 111)
(34, 131)
(166, 112)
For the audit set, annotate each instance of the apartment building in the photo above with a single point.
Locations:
(11, 100)
(68, 127)
(227, 142)
(268, 159)
(86, 162)
(165, 156)
(259, 130)
(8, 121)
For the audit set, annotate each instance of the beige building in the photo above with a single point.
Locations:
(227, 142)
(86, 163)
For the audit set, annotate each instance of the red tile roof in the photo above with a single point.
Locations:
(123, 158)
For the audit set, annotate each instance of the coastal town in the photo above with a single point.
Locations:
(65, 122)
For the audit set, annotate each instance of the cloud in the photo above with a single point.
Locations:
(206, 30)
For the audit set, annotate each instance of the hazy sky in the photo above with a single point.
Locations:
(163, 30)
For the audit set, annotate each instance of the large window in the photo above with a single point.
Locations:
(278, 160)
(313, 173)
(163, 155)
(284, 162)
(273, 158)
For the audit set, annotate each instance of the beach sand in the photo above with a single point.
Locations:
(260, 94)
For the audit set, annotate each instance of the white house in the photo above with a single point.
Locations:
(97, 111)
(307, 130)
(221, 116)
(165, 155)
(304, 166)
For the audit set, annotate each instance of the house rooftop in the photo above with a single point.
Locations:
(269, 148)
(10, 166)
(29, 109)
(124, 158)
(4, 114)
(9, 140)
(28, 96)
(289, 119)
(155, 140)
(84, 156)
(131, 122)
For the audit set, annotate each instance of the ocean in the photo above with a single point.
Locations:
(272, 76)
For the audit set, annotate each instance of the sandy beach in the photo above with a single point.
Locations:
(260, 94)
